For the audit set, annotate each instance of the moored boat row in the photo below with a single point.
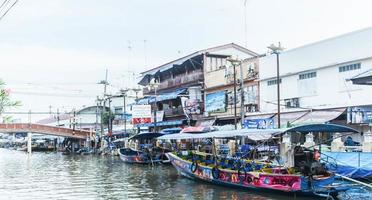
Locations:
(288, 169)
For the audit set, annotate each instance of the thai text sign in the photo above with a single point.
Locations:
(141, 114)
(359, 115)
(266, 123)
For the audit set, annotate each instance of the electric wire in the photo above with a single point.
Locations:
(6, 12)
(4, 4)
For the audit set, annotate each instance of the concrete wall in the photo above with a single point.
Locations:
(330, 88)
(333, 51)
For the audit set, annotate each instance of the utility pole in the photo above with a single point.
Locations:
(276, 50)
(154, 85)
(124, 93)
(242, 110)
(57, 116)
(105, 83)
(278, 86)
(74, 120)
(235, 121)
(234, 63)
(96, 125)
(101, 114)
(109, 117)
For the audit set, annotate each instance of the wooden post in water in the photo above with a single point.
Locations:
(29, 134)
(29, 142)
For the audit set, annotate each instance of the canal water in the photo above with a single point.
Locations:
(57, 176)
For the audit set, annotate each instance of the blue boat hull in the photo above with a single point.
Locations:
(128, 155)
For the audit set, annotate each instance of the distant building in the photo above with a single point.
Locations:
(315, 82)
(86, 118)
(117, 108)
(180, 93)
(219, 86)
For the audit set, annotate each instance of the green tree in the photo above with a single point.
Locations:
(105, 117)
(5, 100)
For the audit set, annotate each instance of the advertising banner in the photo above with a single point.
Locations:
(141, 114)
(359, 115)
(265, 123)
(216, 102)
(190, 106)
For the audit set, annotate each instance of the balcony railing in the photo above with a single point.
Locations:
(178, 81)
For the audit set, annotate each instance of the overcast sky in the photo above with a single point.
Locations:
(53, 52)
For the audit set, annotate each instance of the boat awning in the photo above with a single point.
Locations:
(171, 130)
(319, 116)
(327, 128)
(252, 134)
(162, 123)
(197, 129)
(145, 136)
(168, 96)
(364, 78)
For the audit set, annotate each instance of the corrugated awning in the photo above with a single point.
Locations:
(167, 96)
(143, 101)
(256, 134)
(288, 118)
(364, 78)
(319, 116)
(260, 116)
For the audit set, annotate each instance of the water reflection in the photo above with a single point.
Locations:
(56, 176)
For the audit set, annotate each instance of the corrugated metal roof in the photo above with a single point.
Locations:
(182, 59)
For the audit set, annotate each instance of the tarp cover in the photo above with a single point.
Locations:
(350, 164)
(327, 128)
(252, 134)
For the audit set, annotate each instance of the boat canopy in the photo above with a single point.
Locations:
(252, 134)
(328, 128)
(171, 130)
(145, 136)
(261, 134)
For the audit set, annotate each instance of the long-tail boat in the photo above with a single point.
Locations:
(146, 151)
(307, 177)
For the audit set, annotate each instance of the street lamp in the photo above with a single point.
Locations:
(154, 85)
(276, 50)
(234, 62)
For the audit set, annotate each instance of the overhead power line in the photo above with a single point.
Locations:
(3, 5)
(53, 94)
(6, 12)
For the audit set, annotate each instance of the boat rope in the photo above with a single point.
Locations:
(355, 181)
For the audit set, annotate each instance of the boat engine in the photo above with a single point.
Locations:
(307, 163)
